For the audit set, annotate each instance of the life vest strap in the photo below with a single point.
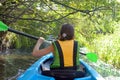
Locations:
(75, 53)
(60, 54)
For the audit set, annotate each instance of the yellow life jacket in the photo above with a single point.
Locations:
(66, 54)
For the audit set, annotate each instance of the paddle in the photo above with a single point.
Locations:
(3, 27)
(91, 56)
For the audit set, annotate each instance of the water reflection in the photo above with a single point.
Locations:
(2, 68)
(12, 65)
(20, 71)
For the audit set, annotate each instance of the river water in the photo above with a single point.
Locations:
(12, 65)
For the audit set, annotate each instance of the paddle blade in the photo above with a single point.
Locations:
(3, 27)
(92, 57)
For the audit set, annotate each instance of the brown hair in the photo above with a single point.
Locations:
(66, 32)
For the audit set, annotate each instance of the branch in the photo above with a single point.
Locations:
(101, 8)
(37, 19)
(53, 10)
(83, 11)
(27, 7)
(3, 15)
(59, 13)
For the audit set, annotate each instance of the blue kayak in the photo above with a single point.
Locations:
(34, 72)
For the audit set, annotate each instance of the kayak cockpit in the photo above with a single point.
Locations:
(60, 74)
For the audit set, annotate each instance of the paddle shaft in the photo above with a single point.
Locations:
(22, 33)
(83, 53)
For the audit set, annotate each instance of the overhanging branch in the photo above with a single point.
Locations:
(83, 11)
(3, 15)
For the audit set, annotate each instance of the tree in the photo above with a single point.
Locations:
(44, 17)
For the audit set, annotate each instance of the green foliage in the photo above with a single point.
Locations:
(108, 48)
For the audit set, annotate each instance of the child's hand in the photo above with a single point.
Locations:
(41, 40)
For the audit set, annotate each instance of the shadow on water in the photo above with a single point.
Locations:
(2, 68)
(12, 65)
